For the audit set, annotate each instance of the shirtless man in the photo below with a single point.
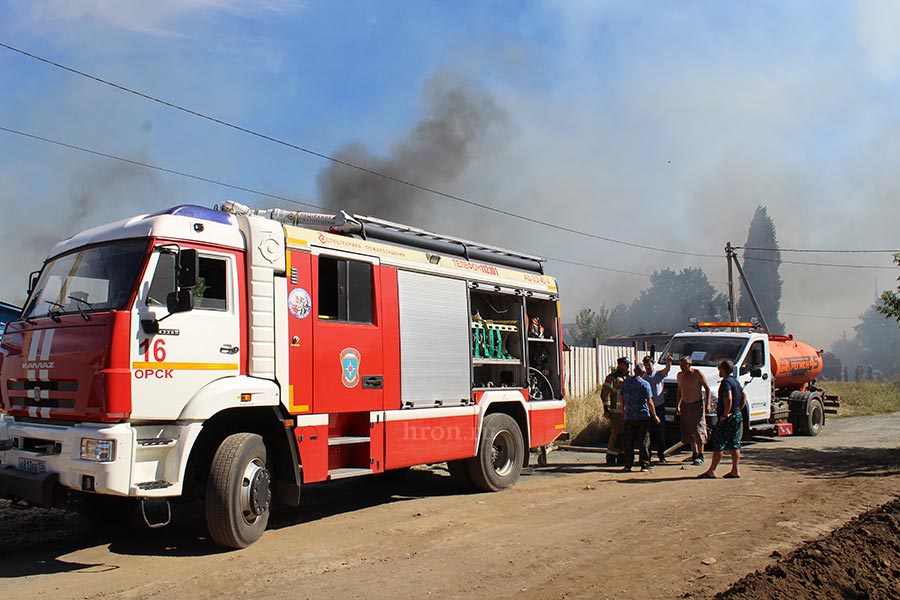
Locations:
(691, 385)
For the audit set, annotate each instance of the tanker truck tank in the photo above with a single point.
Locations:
(794, 364)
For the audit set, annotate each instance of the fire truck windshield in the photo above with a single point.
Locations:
(98, 278)
(705, 351)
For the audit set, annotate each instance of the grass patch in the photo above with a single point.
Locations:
(864, 398)
(584, 422)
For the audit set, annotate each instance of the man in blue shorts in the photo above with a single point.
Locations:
(727, 434)
(636, 398)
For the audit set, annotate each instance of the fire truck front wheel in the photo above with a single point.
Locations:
(238, 493)
(501, 453)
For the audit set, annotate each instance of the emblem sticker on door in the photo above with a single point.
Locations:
(299, 303)
(350, 367)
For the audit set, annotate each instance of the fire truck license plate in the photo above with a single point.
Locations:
(32, 466)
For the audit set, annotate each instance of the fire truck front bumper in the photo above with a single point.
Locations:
(40, 463)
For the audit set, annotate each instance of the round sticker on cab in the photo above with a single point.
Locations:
(350, 360)
(299, 303)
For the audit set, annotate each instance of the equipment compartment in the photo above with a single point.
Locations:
(544, 381)
(497, 339)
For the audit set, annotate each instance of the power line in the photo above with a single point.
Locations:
(597, 267)
(241, 188)
(318, 207)
(158, 168)
(810, 250)
(349, 164)
(386, 176)
(816, 264)
(818, 316)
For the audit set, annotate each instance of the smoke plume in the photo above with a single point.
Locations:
(459, 118)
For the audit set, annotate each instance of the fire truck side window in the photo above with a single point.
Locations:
(163, 280)
(345, 290)
(211, 291)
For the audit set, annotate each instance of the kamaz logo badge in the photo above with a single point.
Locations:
(38, 365)
(350, 367)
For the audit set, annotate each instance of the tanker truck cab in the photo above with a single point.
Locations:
(706, 349)
(776, 372)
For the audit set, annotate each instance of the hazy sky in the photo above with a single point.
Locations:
(656, 123)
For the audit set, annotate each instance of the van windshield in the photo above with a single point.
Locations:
(705, 351)
(99, 278)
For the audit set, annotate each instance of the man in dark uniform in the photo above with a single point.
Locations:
(612, 410)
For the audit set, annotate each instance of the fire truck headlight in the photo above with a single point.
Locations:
(98, 450)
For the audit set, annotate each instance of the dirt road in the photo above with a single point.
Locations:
(574, 529)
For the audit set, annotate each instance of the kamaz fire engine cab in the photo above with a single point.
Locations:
(776, 372)
(235, 354)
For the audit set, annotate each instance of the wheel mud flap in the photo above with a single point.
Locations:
(34, 488)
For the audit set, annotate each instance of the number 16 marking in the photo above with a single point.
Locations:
(159, 350)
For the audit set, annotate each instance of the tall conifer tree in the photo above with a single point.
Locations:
(763, 273)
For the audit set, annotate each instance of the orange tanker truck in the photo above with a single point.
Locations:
(777, 372)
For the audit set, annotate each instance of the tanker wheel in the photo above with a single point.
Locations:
(501, 453)
(815, 418)
(238, 493)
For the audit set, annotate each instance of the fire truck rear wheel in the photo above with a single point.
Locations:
(501, 452)
(238, 493)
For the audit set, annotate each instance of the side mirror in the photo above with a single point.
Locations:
(187, 267)
(32, 281)
(756, 372)
(180, 301)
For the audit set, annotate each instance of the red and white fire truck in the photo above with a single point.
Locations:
(233, 355)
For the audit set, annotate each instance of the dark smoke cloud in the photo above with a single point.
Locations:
(459, 118)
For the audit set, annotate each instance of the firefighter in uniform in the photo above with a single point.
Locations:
(612, 410)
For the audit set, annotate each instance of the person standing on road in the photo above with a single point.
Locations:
(691, 406)
(612, 410)
(637, 400)
(655, 379)
(727, 434)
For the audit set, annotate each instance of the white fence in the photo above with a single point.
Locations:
(586, 368)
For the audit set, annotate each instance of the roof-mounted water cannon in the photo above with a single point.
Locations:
(338, 223)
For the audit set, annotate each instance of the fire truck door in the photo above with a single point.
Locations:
(192, 348)
(348, 371)
(757, 389)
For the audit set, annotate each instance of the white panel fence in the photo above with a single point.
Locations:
(586, 368)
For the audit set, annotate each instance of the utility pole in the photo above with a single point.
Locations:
(732, 259)
(732, 310)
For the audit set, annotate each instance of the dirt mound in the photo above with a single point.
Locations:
(859, 560)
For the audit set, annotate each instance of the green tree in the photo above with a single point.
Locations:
(762, 259)
(879, 341)
(672, 298)
(590, 325)
(890, 301)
